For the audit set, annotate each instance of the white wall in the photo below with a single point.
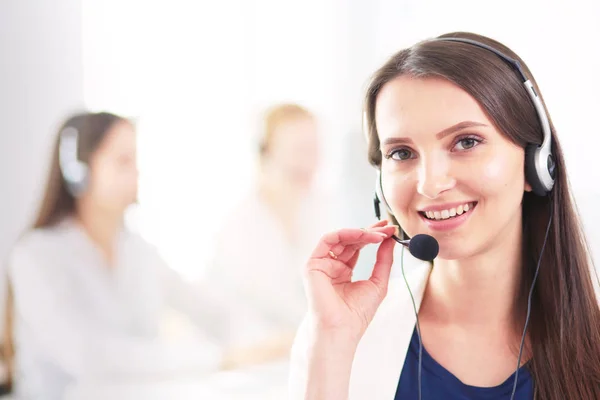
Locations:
(197, 84)
(41, 79)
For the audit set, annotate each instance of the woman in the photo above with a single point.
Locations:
(448, 123)
(276, 225)
(88, 294)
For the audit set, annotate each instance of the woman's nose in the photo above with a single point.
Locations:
(434, 177)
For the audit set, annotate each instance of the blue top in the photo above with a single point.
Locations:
(439, 383)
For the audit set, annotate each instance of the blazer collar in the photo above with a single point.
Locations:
(380, 356)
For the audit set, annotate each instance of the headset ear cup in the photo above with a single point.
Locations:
(531, 173)
(77, 178)
(82, 184)
(77, 188)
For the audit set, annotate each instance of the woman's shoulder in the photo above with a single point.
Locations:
(46, 243)
(40, 240)
(34, 255)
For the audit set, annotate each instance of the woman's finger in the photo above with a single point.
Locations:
(329, 267)
(383, 265)
(336, 241)
(380, 223)
(348, 252)
(387, 231)
(351, 263)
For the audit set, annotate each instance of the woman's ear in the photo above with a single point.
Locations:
(527, 186)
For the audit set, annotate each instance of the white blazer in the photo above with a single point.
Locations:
(380, 355)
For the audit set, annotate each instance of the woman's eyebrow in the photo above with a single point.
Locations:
(440, 135)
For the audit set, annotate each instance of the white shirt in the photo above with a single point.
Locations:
(77, 317)
(260, 270)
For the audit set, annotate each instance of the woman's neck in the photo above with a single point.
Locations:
(478, 293)
(283, 198)
(101, 226)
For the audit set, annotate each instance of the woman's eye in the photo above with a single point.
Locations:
(466, 143)
(401, 155)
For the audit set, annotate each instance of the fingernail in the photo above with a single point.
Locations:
(396, 229)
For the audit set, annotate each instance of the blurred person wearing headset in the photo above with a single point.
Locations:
(87, 294)
(278, 221)
(468, 160)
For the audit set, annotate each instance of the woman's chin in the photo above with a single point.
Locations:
(452, 249)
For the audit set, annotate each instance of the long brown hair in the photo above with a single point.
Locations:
(564, 330)
(58, 202)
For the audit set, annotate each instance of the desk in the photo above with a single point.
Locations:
(266, 382)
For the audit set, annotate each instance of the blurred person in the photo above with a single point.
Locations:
(466, 153)
(266, 240)
(87, 293)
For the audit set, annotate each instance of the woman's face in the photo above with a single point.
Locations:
(446, 170)
(294, 150)
(113, 169)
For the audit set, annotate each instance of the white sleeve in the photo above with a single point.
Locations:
(205, 310)
(298, 376)
(252, 284)
(76, 342)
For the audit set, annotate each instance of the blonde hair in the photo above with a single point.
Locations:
(276, 116)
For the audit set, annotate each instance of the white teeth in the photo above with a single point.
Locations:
(445, 214)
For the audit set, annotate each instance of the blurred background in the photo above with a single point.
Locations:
(197, 79)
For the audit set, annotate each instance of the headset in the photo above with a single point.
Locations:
(540, 172)
(540, 166)
(74, 171)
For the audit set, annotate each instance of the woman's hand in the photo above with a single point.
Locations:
(338, 305)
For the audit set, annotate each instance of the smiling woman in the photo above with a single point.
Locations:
(466, 153)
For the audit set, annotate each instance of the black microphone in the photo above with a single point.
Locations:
(421, 246)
